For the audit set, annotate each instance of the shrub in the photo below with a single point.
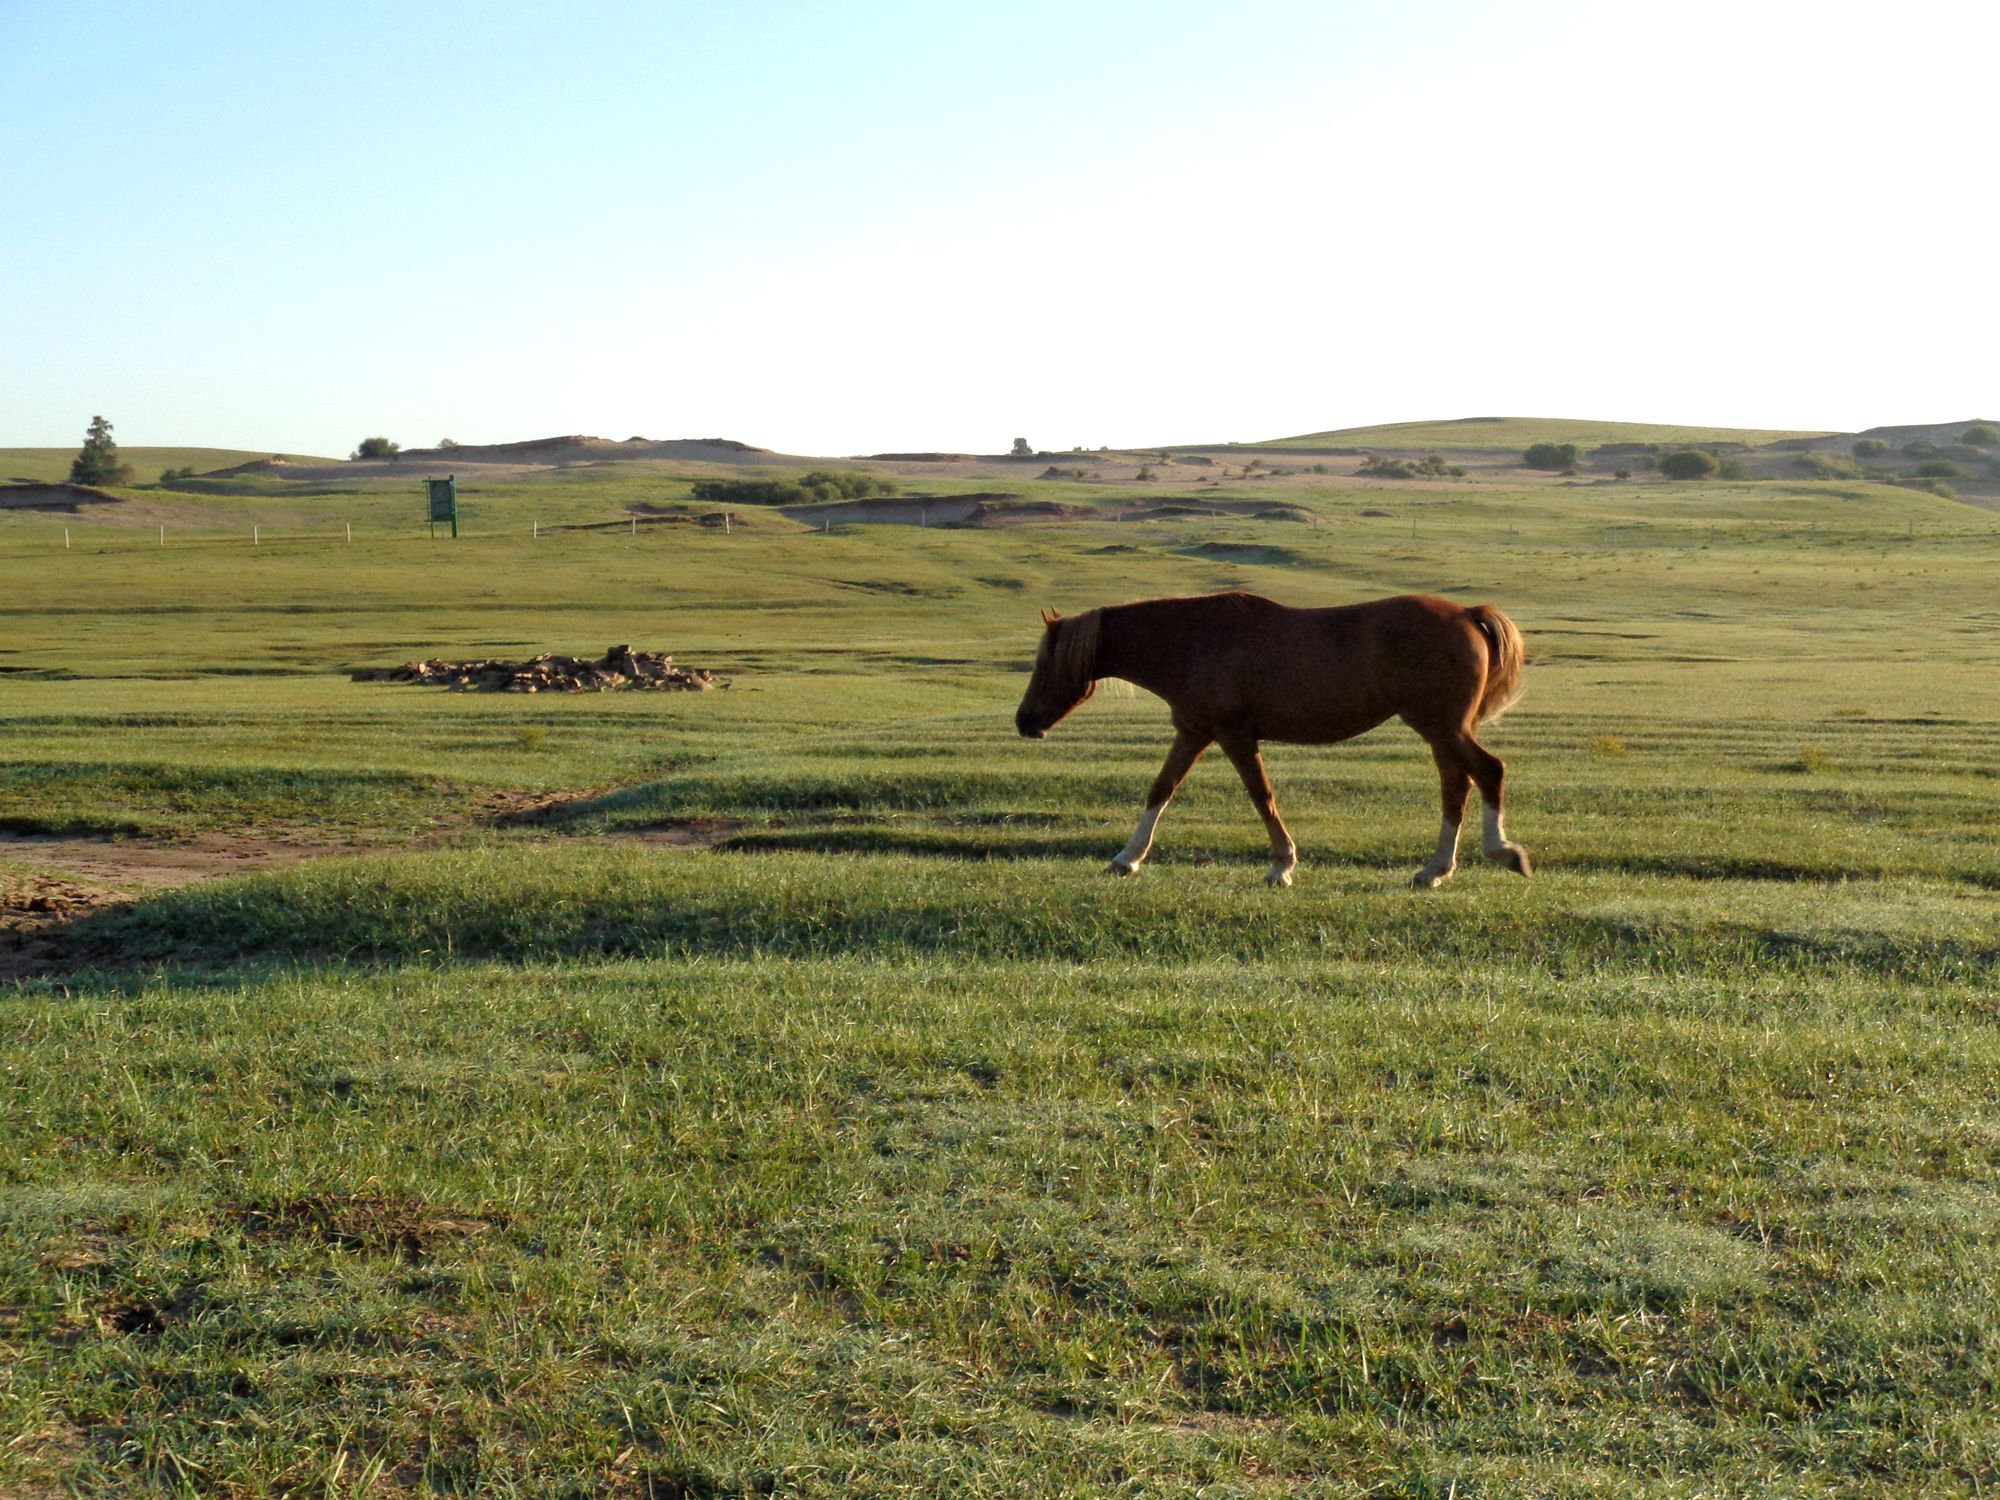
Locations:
(819, 484)
(1689, 463)
(1729, 468)
(1869, 447)
(377, 447)
(845, 484)
(1021, 449)
(1381, 466)
(1551, 456)
(1940, 468)
(1936, 487)
(1980, 435)
(747, 492)
(174, 476)
(1828, 465)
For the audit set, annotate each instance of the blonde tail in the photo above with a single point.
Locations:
(1509, 661)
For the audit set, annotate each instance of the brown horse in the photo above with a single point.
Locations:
(1236, 669)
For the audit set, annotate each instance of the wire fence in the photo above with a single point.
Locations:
(19, 534)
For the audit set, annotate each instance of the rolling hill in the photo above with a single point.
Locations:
(48, 465)
(1496, 433)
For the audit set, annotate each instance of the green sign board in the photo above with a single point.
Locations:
(444, 502)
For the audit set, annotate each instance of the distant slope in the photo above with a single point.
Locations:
(46, 465)
(578, 449)
(1499, 433)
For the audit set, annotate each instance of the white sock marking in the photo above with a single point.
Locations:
(1142, 840)
(1445, 860)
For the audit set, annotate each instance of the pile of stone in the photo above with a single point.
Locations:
(621, 668)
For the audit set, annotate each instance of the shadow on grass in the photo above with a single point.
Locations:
(543, 904)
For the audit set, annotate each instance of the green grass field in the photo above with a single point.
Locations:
(1491, 433)
(803, 1112)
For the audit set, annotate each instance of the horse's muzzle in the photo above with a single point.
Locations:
(1029, 730)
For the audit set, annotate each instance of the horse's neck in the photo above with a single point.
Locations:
(1134, 648)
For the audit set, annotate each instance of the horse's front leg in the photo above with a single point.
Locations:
(1187, 748)
(1249, 763)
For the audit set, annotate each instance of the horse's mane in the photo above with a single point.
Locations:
(1072, 654)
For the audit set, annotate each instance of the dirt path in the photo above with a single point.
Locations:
(69, 879)
(131, 866)
(50, 884)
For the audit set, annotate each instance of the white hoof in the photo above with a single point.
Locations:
(1429, 880)
(1278, 875)
(1119, 867)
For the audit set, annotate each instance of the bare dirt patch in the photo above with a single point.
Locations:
(65, 881)
(67, 498)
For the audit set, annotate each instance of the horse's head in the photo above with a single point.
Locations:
(1065, 672)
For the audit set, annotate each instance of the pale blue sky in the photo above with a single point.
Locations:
(846, 227)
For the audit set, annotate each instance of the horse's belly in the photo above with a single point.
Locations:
(1320, 723)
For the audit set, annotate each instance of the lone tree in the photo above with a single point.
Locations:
(377, 447)
(1021, 449)
(1551, 456)
(1980, 435)
(1691, 464)
(98, 462)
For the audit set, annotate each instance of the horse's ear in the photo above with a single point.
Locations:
(1051, 617)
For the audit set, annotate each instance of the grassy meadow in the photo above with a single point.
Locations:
(795, 1107)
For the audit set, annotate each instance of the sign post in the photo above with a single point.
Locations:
(444, 502)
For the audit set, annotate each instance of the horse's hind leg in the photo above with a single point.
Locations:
(1491, 773)
(1243, 754)
(1454, 783)
(1187, 748)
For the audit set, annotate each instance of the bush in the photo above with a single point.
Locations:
(748, 492)
(1936, 487)
(1869, 447)
(1551, 456)
(845, 484)
(1381, 466)
(1940, 468)
(1829, 467)
(1980, 435)
(1689, 463)
(818, 485)
(377, 447)
(174, 476)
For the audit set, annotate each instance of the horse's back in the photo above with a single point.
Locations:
(1326, 674)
